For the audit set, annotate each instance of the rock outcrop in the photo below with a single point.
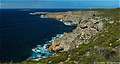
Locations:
(56, 47)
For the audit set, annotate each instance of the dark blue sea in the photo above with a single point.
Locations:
(20, 32)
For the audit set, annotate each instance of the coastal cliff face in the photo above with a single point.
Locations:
(87, 26)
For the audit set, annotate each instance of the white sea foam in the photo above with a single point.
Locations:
(42, 52)
(57, 36)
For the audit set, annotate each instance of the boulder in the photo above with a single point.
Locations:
(55, 47)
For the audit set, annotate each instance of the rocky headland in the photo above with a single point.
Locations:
(95, 40)
(87, 26)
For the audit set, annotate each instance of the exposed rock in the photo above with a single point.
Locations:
(61, 63)
(111, 22)
(87, 26)
(56, 47)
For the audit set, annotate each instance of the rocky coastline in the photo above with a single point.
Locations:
(96, 38)
(87, 26)
(41, 52)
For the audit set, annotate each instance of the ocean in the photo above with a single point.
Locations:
(20, 32)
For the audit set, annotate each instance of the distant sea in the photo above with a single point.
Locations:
(20, 32)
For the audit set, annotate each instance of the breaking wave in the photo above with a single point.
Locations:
(40, 52)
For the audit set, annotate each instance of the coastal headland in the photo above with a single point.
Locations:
(88, 24)
(95, 39)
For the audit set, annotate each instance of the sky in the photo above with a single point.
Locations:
(59, 3)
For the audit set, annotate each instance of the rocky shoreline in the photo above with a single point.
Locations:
(87, 26)
(92, 39)
(41, 52)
